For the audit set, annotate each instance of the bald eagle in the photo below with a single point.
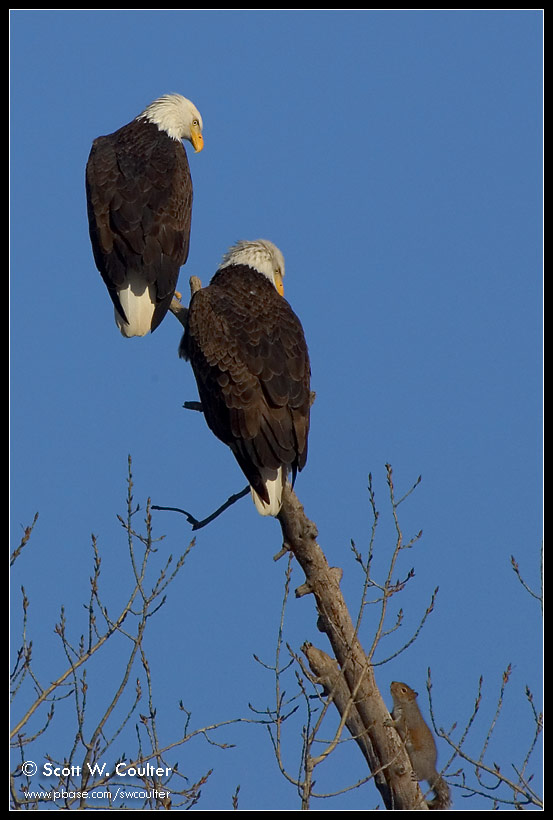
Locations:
(250, 360)
(139, 198)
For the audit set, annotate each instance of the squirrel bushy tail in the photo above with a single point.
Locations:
(442, 795)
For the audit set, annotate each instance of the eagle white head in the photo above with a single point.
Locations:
(178, 117)
(261, 255)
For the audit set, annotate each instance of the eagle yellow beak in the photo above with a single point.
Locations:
(197, 139)
(279, 284)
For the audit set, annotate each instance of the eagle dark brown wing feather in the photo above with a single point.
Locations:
(139, 197)
(250, 359)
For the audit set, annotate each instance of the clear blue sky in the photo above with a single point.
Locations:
(395, 157)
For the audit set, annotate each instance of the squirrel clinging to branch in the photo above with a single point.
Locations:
(419, 742)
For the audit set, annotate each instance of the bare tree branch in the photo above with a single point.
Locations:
(85, 766)
(198, 524)
(388, 759)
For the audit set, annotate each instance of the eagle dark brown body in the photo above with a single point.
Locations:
(139, 198)
(250, 359)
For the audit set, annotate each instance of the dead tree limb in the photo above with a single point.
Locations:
(386, 755)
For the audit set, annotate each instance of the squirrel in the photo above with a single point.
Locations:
(419, 742)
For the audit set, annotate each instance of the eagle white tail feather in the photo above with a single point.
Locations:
(274, 487)
(138, 302)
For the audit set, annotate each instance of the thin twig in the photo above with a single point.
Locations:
(197, 524)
